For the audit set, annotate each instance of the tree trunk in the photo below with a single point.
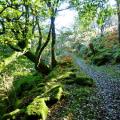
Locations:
(91, 46)
(119, 27)
(45, 44)
(102, 30)
(31, 56)
(41, 67)
(53, 60)
(40, 37)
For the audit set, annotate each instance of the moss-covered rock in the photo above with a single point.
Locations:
(38, 108)
(55, 93)
(71, 75)
(34, 99)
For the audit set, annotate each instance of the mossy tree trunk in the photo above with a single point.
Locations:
(40, 67)
(22, 34)
(91, 46)
(53, 59)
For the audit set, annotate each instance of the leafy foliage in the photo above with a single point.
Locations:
(106, 47)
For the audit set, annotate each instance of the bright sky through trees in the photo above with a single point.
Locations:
(112, 2)
(66, 17)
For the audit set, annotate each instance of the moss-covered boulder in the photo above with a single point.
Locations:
(38, 108)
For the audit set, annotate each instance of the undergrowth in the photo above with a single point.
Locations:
(107, 50)
(28, 95)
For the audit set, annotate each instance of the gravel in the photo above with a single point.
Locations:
(108, 91)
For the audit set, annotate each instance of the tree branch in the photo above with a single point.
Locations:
(14, 48)
(3, 10)
(45, 44)
(12, 20)
(10, 6)
(40, 37)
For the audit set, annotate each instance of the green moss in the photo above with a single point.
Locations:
(28, 86)
(55, 93)
(8, 60)
(12, 115)
(38, 108)
(110, 70)
(66, 75)
(59, 93)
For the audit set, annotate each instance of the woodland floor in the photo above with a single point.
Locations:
(93, 100)
(108, 85)
(102, 104)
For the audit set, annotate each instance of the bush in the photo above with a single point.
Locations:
(107, 50)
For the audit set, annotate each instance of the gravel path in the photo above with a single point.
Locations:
(109, 91)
